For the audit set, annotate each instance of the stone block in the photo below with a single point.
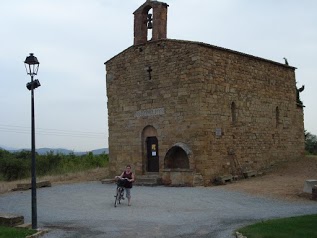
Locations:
(148, 180)
(308, 185)
(26, 186)
(198, 180)
(178, 177)
(10, 220)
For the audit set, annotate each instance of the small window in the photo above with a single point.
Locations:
(233, 113)
(149, 24)
(277, 116)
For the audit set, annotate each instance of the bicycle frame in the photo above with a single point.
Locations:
(119, 195)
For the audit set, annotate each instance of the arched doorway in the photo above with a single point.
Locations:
(150, 150)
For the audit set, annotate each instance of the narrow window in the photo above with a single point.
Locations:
(149, 24)
(277, 116)
(233, 113)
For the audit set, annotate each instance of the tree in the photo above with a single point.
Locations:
(310, 143)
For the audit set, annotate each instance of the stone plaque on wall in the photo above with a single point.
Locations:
(218, 132)
(150, 112)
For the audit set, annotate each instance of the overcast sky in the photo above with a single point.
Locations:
(73, 38)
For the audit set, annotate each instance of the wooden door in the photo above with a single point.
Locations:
(152, 154)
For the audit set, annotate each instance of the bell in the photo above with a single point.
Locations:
(149, 21)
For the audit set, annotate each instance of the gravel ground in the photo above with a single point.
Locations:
(86, 210)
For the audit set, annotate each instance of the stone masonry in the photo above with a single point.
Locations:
(214, 111)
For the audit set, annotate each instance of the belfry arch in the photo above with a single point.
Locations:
(156, 23)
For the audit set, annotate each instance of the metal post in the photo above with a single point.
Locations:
(34, 206)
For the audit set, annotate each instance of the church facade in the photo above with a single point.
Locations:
(182, 109)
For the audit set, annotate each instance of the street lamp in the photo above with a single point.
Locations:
(32, 66)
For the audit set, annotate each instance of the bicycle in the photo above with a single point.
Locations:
(119, 191)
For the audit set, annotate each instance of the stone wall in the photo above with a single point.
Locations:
(218, 102)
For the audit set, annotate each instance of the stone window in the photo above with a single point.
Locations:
(233, 113)
(149, 24)
(277, 116)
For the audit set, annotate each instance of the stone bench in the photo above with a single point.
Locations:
(26, 186)
(308, 185)
(10, 220)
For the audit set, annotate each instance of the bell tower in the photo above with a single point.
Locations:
(144, 22)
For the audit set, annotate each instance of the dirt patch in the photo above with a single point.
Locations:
(284, 180)
(89, 175)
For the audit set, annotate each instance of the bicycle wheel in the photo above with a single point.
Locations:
(117, 197)
(120, 190)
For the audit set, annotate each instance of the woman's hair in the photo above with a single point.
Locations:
(128, 166)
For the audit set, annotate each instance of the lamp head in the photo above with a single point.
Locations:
(31, 64)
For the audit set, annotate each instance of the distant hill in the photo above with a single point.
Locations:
(6, 148)
(43, 151)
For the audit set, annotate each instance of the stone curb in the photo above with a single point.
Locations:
(39, 233)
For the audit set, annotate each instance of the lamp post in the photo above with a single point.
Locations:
(32, 65)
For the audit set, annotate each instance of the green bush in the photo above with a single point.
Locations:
(13, 169)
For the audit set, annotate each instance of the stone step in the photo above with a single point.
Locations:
(148, 180)
(11, 220)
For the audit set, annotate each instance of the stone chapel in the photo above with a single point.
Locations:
(190, 111)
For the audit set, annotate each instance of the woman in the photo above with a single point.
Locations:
(128, 185)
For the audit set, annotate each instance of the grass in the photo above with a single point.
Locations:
(293, 227)
(10, 232)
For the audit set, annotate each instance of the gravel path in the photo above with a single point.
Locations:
(86, 210)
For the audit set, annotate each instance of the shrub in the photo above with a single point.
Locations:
(311, 143)
(12, 169)
(18, 165)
